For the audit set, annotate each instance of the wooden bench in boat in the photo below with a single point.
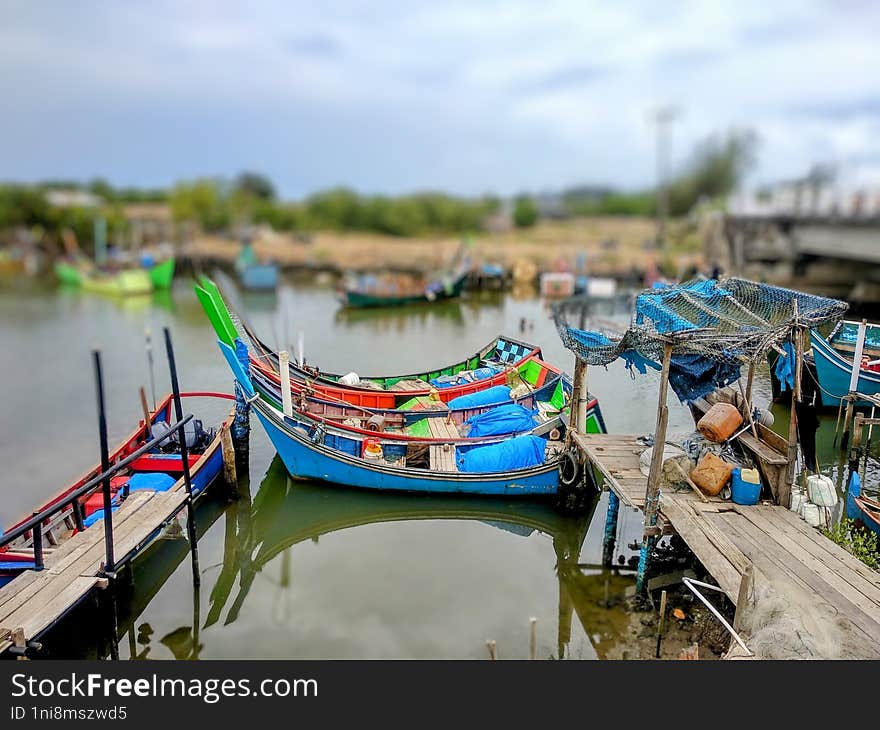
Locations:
(442, 457)
(440, 428)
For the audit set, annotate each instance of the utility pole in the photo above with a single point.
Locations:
(662, 118)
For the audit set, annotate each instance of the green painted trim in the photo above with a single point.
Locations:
(217, 321)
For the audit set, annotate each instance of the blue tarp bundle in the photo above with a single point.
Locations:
(693, 376)
(465, 376)
(516, 453)
(511, 418)
(495, 394)
(853, 490)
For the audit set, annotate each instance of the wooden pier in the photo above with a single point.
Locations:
(757, 554)
(36, 600)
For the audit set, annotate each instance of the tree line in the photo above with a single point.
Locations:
(714, 169)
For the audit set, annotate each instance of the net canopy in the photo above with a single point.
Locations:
(731, 321)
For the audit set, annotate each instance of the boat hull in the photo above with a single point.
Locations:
(833, 373)
(365, 300)
(306, 460)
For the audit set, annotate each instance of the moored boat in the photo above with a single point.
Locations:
(522, 466)
(490, 366)
(833, 358)
(158, 470)
(363, 296)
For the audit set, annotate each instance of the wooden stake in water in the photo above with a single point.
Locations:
(660, 623)
(533, 638)
(854, 382)
(149, 340)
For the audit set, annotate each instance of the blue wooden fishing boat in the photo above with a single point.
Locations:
(520, 466)
(833, 360)
(255, 274)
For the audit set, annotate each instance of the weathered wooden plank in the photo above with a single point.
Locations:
(782, 570)
(36, 618)
(838, 553)
(861, 592)
(687, 524)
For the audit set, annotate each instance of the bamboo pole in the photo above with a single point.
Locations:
(652, 494)
(783, 496)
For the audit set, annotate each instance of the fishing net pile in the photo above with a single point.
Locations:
(714, 327)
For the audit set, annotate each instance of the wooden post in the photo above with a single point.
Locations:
(284, 371)
(490, 645)
(610, 529)
(744, 596)
(749, 380)
(652, 494)
(229, 472)
(583, 396)
(783, 496)
(854, 381)
(533, 638)
(660, 621)
(579, 396)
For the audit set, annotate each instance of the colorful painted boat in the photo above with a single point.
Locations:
(869, 513)
(483, 369)
(159, 470)
(523, 466)
(255, 274)
(126, 282)
(449, 287)
(425, 418)
(833, 362)
(162, 274)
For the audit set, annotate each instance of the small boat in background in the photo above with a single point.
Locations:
(833, 360)
(254, 274)
(392, 289)
(119, 278)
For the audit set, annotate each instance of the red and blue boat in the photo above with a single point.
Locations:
(159, 470)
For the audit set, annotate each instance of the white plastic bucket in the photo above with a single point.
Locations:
(811, 514)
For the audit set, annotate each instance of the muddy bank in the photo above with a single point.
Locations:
(614, 247)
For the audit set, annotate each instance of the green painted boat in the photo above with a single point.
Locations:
(68, 274)
(434, 292)
(162, 274)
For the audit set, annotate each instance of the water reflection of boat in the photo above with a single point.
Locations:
(284, 513)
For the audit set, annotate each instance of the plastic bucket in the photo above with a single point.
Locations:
(811, 514)
(744, 491)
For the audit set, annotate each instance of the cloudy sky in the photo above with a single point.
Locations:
(467, 96)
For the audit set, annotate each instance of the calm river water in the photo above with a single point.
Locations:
(298, 570)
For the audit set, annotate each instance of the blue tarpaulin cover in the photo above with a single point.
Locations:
(465, 376)
(495, 394)
(516, 453)
(511, 418)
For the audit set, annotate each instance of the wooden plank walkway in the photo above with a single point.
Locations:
(791, 560)
(33, 601)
